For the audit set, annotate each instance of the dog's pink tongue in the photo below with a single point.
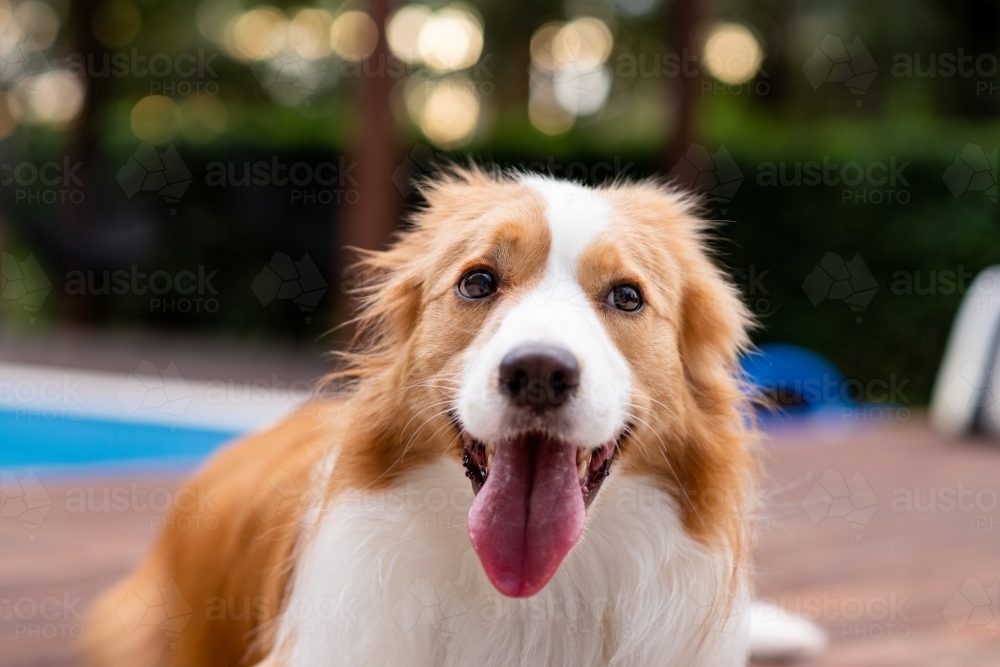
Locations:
(528, 515)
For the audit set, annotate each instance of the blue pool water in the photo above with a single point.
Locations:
(29, 440)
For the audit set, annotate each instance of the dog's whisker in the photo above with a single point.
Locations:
(438, 430)
(666, 458)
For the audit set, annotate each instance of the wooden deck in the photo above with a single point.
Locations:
(893, 583)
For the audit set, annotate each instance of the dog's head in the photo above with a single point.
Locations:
(548, 335)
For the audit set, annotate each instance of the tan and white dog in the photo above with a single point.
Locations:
(542, 457)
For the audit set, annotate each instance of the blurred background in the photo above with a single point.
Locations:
(178, 181)
(247, 144)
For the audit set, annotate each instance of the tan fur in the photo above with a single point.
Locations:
(245, 558)
(689, 430)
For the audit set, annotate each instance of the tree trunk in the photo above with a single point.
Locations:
(682, 27)
(369, 222)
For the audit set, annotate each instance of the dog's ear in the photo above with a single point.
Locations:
(714, 328)
(388, 284)
(712, 321)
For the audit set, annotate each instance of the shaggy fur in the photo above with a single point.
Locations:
(341, 537)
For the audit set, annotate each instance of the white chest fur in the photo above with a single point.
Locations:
(390, 578)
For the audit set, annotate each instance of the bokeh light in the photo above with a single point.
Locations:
(35, 20)
(116, 23)
(547, 115)
(447, 111)
(732, 54)
(353, 35)
(291, 49)
(53, 98)
(308, 33)
(582, 91)
(403, 31)
(415, 93)
(204, 117)
(569, 75)
(256, 33)
(450, 39)
(156, 119)
(541, 47)
(585, 42)
(10, 114)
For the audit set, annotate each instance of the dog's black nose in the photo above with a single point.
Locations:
(539, 376)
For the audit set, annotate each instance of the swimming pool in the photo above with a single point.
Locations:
(66, 418)
(37, 439)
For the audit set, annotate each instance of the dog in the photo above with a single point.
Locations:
(540, 453)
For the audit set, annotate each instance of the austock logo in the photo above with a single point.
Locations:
(323, 183)
(162, 172)
(45, 617)
(834, 496)
(425, 604)
(878, 182)
(23, 498)
(972, 385)
(20, 59)
(974, 170)
(288, 74)
(422, 161)
(714, 173)
(184, 508)
(24, 282)
(974, 604)
(836, 62)
(279, 495)
(284, 279)
(182, 292)
(149, 389)
(751, 283)
(181, 74)
(150, 604)
(833, 278)
(52, 182)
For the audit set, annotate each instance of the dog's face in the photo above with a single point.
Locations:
(565, 333)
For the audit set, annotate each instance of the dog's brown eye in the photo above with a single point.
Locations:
(625, 297)
(477, 284)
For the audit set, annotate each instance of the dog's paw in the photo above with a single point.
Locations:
(778, 636)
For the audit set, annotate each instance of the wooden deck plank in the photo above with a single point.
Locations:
(881, 587)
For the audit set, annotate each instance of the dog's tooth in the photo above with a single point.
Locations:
(489, 460)
(582, 462)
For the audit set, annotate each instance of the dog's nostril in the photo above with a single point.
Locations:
(539, 376)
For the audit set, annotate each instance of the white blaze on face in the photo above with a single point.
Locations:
(554, 312)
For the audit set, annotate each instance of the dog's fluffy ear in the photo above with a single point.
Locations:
(714, 328)
(387, 288)
(388, 284)
(713, 321)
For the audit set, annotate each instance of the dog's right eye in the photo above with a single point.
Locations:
(477, 284)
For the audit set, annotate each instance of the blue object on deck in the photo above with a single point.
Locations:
(32, 439)
(798, 381)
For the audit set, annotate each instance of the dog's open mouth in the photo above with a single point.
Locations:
(532, 491)
(591, 466)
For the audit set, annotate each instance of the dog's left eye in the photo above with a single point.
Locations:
(477, 284)
(625, 297)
